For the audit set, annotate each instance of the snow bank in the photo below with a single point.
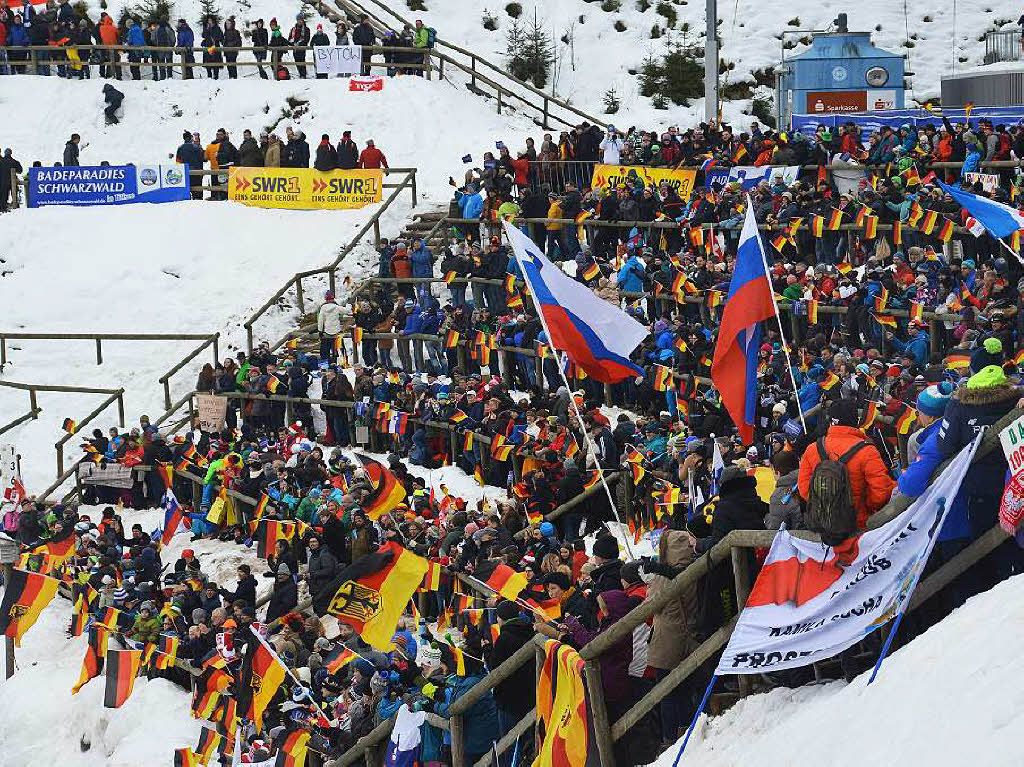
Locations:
(950, 697)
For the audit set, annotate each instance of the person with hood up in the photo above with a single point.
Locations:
(185, 39)
(113, 98)
(738, 507)
(320, 38)
(284, 596)
(232, 39)
(348, 152)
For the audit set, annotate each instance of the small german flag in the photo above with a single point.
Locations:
(928, 222)
(543, 350)
(680, 344)
(458, 416)
(916, 310)
(338, 658)
(502, 453)
(818, 226)
(515, 301)
(697, 237)
(261, 507)
(897, 233)
(80, 616)
(95, 652)
(504, 580)
(780, 242)
(25, 596)
(460, 660)
(69, 426)
(185, 757)
(208, 688)
(713, 298)
(1018, 358)
(946, 230)
(467, 442)
(293, 750)
(592, 479)
(549, 608)
(208, 741)
(829, 381)
(957, 361)
(886, 319)
(449, 277)
(915, 214)
(662, 378)
(166, 472)
(122, 668)
(273, 384)
(357, 334)
(592, 272)
(451, 340)
(167, 651)
(906, 419)
(870, 227)
(844, 268)
(870, 413)
(291, 343)
(812, 312)
(835, 220)
(510, 283)
(739, 154)
(882, 300)
(478, 475)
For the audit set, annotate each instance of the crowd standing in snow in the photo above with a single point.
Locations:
(448, 375)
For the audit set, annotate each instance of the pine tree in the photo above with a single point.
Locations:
(209, 8)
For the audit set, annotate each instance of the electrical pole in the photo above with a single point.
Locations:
(711, 63)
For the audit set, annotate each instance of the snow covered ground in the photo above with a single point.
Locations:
(950, 697)
(195, 267)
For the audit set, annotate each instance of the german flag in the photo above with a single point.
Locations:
(592, 479)
(739, 154)
(592, 272)
(543, 350)
(270, 531)
(870, 227)
(817, 226)
(208, 741)
(916, 212)
(697, 237)
(95, 652)
(207, 692)
(467, 442)
(913, 177)
(386, 491)
(113, 619)
(812, 312)
(680, 344)
(262, 673)
(906, 419)
(844, 268)
(273, 384)
(885, 319)
(166, 472)
(293, 750)
(897, 233)
(167, 651)
(510, 283)
(458, 416)
(432, 577)
(357, 334)
(713, 298)
(957, 361)
(80, 616)
(882, 300)
(662, 378)
(916, 310)
(870, 413)
(502, 452)
(225, 718)
(122, 668)
(780, 242)
(338, 658)
(25, 596)
(449, 277)
(261, 507)
(551, 609)
(1018, 358)
(213, 659)
(862, 215)
(373, 603)
(57, 550)
(69, 426)
(478, 475)
(829, 381)
(946, 230)
(503, 579)
(185, 757)
(928, 222)
(835, 220)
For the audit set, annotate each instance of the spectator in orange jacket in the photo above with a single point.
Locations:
(870, 482)
(372, 157)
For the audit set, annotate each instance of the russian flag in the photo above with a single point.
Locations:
(1000, 220)
(750, 302)
(596, 335)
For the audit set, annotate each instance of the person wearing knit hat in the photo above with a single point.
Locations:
(931, 405)
(989, 352)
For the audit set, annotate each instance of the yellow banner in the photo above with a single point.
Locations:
(304, 188)
(606, 176)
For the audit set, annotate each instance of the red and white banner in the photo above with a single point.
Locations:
(811, 601)
(370, 83)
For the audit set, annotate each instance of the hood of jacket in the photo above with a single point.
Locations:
(989, 395)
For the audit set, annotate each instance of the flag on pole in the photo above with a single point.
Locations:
(25, 596)
(122, 668)
(999, 219)
(172, 516)
(750, 302)
(95, 652)
(810, 602)
(261, 675)
(386, 491)
(597, 336)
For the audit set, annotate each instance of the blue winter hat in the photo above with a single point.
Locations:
(547, 529)
(933, 400)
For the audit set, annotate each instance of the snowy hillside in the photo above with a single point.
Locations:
(196, 267)
(950, 697)
(594, 56)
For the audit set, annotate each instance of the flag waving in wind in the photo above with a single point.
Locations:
(750, 302)
(597, 336)
(999, 219)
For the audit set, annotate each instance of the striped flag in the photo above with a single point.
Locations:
(25, 596)
(338, 658)
(451, 340)
(173, 515)
(957, 361)
(818, 226)
(166, 472)
(122, 668)
(167, 651)
(835, 220)
(812, 311)
(946, 230)
(506, 581)
(449, 277)
(208, 741)
(293, 750)
(928, 222)
(870, 413)
(185, 757)
(906, 419)
(270, 531)
(897, 233)
(432, 577)
(916, 310)
(870, 227)
(662, 378)
(844, 268)
(261, 675)
(95, 652)
(69, 425)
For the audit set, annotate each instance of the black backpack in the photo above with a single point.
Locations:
(830, 510)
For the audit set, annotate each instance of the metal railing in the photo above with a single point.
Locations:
(1002, 46)
(134, 62)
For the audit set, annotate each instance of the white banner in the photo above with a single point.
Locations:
(811, 602)
(338, 59)
(212, 411)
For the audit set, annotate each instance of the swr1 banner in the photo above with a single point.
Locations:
(305, 188)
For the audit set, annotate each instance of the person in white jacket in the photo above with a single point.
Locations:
(328, 324)
(611, 147)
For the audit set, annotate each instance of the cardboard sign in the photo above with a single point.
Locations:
(338, 59)
(212, 411)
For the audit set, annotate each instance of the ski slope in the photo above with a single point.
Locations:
(951, 697)
(191, 267)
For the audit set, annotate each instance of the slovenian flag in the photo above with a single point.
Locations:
(597, 336)
(1000, 220)
(750, 302)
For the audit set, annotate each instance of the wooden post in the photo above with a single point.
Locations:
(8, 641)
(376, 233)
(602, 727)
(936, 333)
(216, 349)
(3, 351)
(331, 281)
(412, 174)
(300, 298)
(741, 576)
(544, 123)
(99, 351)
(499, 99)
(537, 740)
(248, 338)
(472, 76)
(15, 189)
(120, 408)
(167, 394)
(458, 742)
(32, 399)
(59, 447)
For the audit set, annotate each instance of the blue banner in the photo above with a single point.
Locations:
(870, 122)
(750, 176)
(107, 185)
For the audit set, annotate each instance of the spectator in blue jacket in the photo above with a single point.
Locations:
(471, 205)
(135, 39)
(191, 154)
(422, 265)
(917, 346)
(186, 40)
(631, 275)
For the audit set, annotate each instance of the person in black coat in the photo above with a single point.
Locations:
(567, 488)
(738, 507)
(515, 695)
(245, 590)
(8, 167)
(326, 155)
(362, 34)
(71, 149)
(191, 154)
(285, 595)
(606, 558)
(260, 38)
(249, 153)
(348, 152)
(332, 535)
(323, 565)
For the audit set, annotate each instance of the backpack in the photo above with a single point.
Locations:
(11, 518)
(830, 510)
(431, 36)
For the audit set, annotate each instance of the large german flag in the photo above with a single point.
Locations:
(113, 619)
(261, 675)
(25, 596)
(371, 594)
(503, 579)
(122, 668)
(269, 532)
(387, 492)
(56, 551)
(563, 711)
(95, 652)
(293, 750)
(185, 757)
(206, 695)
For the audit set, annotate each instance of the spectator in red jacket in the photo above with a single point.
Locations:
(372, 157)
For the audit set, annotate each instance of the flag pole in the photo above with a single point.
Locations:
(696, 716)
(778, 318)
(591, 450)
(1016, 255)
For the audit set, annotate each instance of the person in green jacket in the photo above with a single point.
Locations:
(424, 35)
(231, 463)
(147, 625)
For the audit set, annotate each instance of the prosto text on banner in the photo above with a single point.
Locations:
(305, 188)
(610, 176)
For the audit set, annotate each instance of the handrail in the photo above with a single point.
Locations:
(117, 396)
(373, 222)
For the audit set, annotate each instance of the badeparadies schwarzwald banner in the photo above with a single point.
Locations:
(107, 185)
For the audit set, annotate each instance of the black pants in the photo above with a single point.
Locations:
(231, 58)
(111, 114)
(186, 71)
(300, 56)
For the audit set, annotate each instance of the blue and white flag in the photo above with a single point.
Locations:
(999, 219)
(810, 601)
(404, 746)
